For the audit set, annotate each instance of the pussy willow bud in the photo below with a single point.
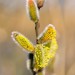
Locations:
(32, 10)
(40, 3)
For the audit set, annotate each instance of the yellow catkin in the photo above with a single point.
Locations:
(22, 41)
(48, 34)
(44, 54)
(32, 10)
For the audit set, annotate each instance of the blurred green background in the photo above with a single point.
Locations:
(13, 17)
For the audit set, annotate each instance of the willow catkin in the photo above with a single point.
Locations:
(32, 10)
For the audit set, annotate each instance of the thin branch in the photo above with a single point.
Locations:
(37, 25)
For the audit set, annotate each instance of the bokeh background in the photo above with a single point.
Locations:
(13, 17)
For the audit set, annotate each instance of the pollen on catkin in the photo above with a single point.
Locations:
(48, 34)
(22, 41)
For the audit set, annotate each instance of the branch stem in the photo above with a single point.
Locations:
(37, 25)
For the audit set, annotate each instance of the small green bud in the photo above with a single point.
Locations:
(40, 3)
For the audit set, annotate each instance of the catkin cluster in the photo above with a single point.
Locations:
(45, 50)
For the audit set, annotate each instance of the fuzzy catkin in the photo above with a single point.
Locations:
(32, 10)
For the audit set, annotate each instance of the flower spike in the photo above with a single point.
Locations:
(32, 10)
(48, 34)
(44, 54)
(22, 41)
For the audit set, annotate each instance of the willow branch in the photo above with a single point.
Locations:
(37, 25)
